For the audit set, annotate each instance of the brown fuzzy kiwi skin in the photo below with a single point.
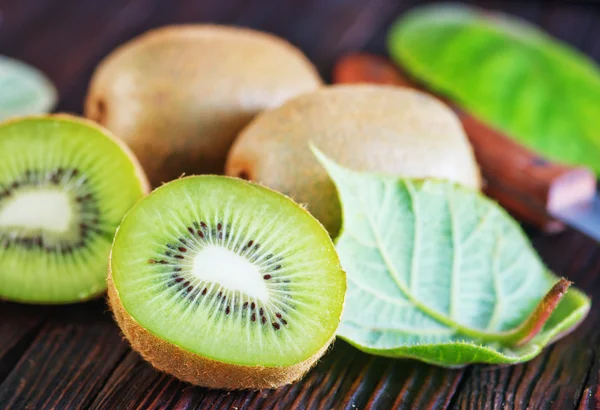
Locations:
(370, 128)
(198, 370)
(179, 95)
(139, 171)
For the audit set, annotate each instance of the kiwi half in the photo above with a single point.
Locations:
(225, 284)
(65, 185)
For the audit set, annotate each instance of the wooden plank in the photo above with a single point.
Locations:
(68, 362)
(344, 378)
(78, 357)
(590, 397)
(18, 326)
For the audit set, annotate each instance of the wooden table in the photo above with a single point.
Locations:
(73, 357)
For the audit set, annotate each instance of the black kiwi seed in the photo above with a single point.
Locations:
(200, 233)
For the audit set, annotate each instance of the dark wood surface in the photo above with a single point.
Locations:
(74, 357)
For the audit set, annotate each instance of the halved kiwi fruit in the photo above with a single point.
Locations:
(225, 284)
(65, 185)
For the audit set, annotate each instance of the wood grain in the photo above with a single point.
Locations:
(74, 356)
(68, 361)
(18, 327)
(344, 378)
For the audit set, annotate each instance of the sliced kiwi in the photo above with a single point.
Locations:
(225, 284)
(65, 185)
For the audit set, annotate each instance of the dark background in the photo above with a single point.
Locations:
(74, 356)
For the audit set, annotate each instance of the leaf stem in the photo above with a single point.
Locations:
(538, 318)
(523, 333)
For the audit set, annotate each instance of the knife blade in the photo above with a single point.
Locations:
(544, 193)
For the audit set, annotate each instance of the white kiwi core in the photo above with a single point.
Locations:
(216, 264)
(45, 209)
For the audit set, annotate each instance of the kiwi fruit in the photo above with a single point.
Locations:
(225, 284)
(179, 95)
(65, 184)
(370, 128)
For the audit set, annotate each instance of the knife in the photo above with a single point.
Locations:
(547, 194)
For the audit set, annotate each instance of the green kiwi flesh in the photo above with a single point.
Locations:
(65, 185)
(225, 283)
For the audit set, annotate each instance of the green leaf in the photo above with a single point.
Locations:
(23, 90)
(508, 73)
(440, 273)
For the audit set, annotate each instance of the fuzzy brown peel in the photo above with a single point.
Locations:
(178, 95)
(368, 128)
(198, 370)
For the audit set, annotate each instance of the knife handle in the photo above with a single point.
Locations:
(530, 187)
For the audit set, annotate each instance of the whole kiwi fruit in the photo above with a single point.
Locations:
(370, 128)
(178, 95)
